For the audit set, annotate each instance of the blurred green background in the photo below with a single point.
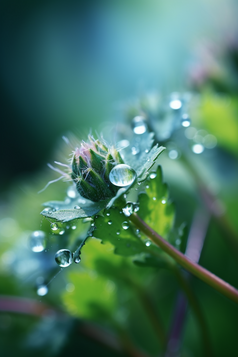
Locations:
(70, 67)
(67, 65)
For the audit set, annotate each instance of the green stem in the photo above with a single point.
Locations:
(200, 272)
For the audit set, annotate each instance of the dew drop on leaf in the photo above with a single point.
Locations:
(77, 207)
(128, 210)
(54, 226)
(62, 232)
(153, 175)
(109, 222)
(122, 175)
(163, 201)
(74, 227)
(118, 232)
(37, 241)
(125, 225)
(63, 258)
(77, 259)
(154, 198)
(42, 290)
(148, 243)
(135, 150)
(139, 125)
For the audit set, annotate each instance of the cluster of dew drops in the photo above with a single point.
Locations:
(123, 175)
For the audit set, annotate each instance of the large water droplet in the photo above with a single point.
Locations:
(125, 225)
(198, 148)
(42, 290)
(122, 175)
(128, 210)
(139, 125)
(185, 121)
(37, 241)
(63, 258)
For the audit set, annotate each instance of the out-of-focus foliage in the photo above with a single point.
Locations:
(62, 66)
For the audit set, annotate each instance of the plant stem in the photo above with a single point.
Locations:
(200, 272)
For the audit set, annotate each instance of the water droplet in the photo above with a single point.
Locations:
(128, 210)
(42, 290)
(118, 232)
(73, 227)
(175, 104)
(153, 175)
(62, 232)
(109, 222)
(71, 192)
(136, 207)
(46, 210)
(185, 121)
(122, 175)
(146, 151)
(108, 214)
(148, 243)
(77, 207)
(139, 125)
(54, 227)
(37, 241)
(77, 259)
(92, 224)
(197, 148)
(163, 201)
(154, 198)
(63, 258)
(173, 154)
(137, 231)
(147, 186)
(135, 150)
(125, 225)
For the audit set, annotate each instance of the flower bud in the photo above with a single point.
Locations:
(91, 165)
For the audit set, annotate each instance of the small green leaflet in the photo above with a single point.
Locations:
(115, 228)
(155, 209)
(65, 215)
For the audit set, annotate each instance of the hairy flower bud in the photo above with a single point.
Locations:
(91, 165)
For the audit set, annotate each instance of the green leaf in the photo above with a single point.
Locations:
(109, 228)
(147, 161)
(155, 208)
(66, 215)
(92, 297)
